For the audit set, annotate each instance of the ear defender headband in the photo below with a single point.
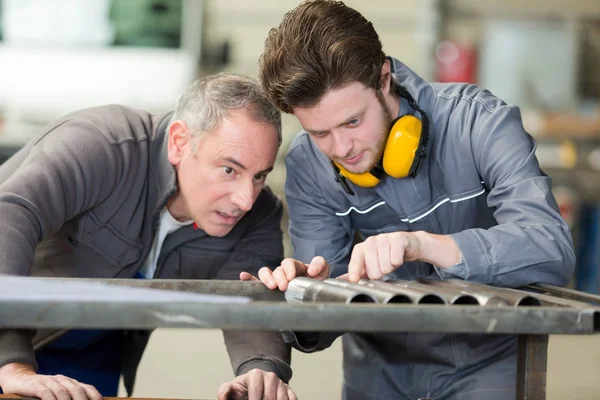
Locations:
(404, 150)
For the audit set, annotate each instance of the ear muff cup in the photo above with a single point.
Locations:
(402, 146)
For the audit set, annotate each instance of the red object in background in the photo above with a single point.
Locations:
(456, 62)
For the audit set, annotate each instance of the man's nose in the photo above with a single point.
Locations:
(341, 146)
(243, 195)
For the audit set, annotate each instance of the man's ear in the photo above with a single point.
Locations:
(179, 138)
(386, 77)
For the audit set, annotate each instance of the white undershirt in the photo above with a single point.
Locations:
(166, 225)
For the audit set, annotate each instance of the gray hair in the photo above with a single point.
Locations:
(204, 104)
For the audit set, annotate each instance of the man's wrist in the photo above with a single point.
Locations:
(438, 250)
(15, 368)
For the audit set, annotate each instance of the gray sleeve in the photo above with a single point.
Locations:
(310, 342)
(315, 230)
(69, 170)
(262, 350)
(531, 243)
(262, 245)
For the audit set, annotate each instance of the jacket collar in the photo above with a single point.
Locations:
(162, 170)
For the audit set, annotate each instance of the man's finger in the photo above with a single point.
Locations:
(223, 391)
(91, 391)
(318, 268)
(255, 385)
(371, 259)
(266, 277)
(282, 391)
(343, 277)
(397, 253)
(291, 394)
(245, 276)
(293, 268)
(383, 255)
(84, 390)
(34, 388)
(75, 390)
(59, 391)
(281, 279)
(356, 266)
(271, 386)
(42, 391)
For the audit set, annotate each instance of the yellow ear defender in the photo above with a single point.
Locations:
(403, 153)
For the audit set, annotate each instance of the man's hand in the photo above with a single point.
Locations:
(256, 385)
(380, 255)
(21, 379)
(288, 270)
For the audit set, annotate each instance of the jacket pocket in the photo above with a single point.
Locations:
(108, 242)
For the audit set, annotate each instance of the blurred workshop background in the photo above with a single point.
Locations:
(57, 56)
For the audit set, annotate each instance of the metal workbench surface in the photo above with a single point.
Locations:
(82, 303)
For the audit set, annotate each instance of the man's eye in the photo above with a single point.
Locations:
(228, 170)
(353, 122)
(260, 177)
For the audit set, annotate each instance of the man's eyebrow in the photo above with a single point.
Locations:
(235, 162)
(353, 117)
(266, 171)
(242, 166)
(345, 122)
(314, 132)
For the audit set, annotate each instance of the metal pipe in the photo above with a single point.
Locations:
(483, 298)
(514, 297)
(303, 289)
(417, 295)
(546, 300)
(382, 296)
(452, 295)
(255, 290)
(566, 293)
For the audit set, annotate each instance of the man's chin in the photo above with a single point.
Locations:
(357, 170)
(218, 231)
(360, 168)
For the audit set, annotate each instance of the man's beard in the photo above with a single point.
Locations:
(383, 137)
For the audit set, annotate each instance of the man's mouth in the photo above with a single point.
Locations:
(228, 218)
(353, 160)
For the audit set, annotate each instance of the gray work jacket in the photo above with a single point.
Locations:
(83, 199)
(481, 184)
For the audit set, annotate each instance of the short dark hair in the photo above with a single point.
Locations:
(319, 46)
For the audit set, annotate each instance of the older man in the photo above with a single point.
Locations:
(117, 192)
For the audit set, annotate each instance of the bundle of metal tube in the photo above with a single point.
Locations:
(421, 291)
